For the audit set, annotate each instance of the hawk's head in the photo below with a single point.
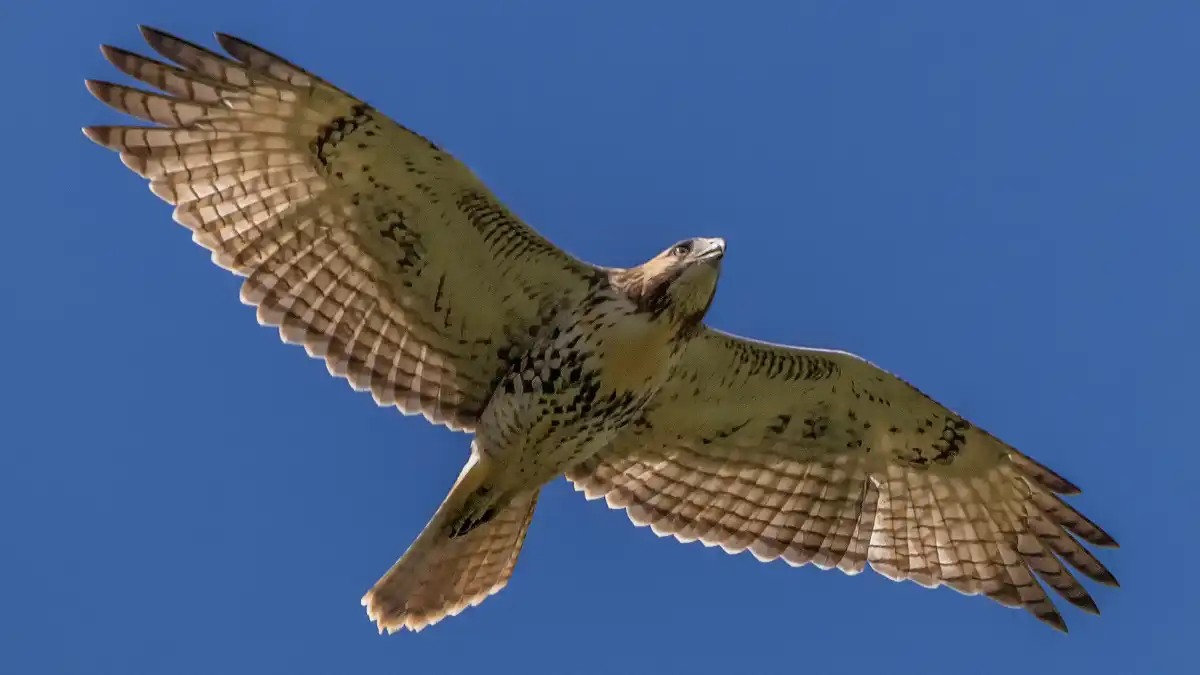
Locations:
(680, 281)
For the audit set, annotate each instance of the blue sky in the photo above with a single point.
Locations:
(999, 205)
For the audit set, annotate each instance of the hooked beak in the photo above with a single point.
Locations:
(712, 250)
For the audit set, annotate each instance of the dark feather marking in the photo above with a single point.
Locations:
(469, 524)
(815, 427)
(437, 298)
(780, 425)
(338, 128)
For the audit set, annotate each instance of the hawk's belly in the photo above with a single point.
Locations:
(571, 393)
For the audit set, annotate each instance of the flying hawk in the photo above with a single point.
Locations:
(383, 255)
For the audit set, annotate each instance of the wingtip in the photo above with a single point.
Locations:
(1064, 487)
(1109, 579)
(154, 36)
(1055, 621)
(93, 134)
(95, 88)
(1088, 604)
(113, 54)
(230, 43)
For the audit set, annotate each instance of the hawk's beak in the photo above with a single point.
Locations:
(712, 251)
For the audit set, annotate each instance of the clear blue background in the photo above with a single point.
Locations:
(998, 204)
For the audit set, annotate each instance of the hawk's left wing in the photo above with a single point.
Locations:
(819, 456)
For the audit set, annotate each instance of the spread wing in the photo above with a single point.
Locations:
(820, 457)
(357, 238)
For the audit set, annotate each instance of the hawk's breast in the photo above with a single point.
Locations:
(569, 395)
(636, 353)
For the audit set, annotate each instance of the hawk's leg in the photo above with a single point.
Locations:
(481, 508)
(473, 521)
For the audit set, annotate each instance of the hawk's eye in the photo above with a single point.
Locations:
(681, 250)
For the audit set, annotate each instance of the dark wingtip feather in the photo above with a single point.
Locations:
(94, 135)
(156, 38)
(225, 39)
(1102, 539)
(235, 45)
(1042, 474)
(1054, 620)
(98, 88)
(160, 41)
(110, 52)
(237, 48)
(1087, 604)
(150, 32)
(120, 58)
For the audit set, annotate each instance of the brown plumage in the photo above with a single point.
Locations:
(387, 258)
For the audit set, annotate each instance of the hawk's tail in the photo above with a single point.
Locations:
(443, 573)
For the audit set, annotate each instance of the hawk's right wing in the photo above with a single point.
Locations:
(818, 456)
(359, 239)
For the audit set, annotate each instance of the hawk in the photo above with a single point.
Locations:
(387, 258)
